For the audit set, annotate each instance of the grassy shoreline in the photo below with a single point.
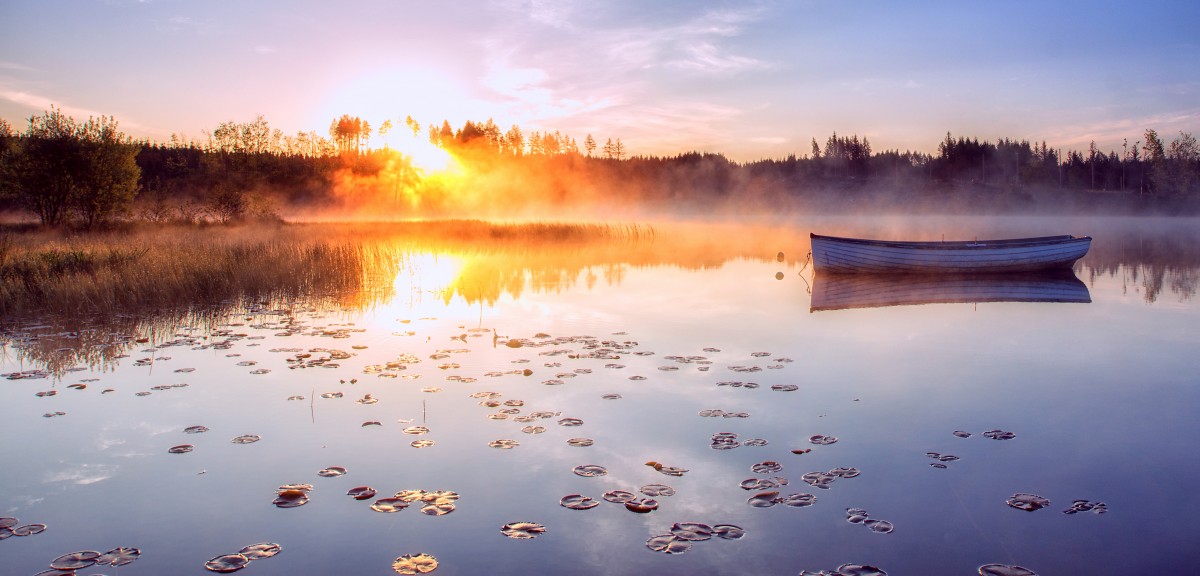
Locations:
(147, 267)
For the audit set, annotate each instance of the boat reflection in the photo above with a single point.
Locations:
(845, 291)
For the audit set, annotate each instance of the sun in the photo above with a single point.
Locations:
(426, 157)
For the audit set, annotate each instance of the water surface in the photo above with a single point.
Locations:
(1100, 397)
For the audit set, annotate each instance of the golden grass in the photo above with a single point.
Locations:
(149, 268)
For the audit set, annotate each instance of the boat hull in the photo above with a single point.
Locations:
(856, 256)
(847, 291)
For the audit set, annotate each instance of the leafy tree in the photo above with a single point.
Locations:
(1183, 157)
(1154, 155)
(514, 141)
(589, 144)
(60, 165)
(350, 133)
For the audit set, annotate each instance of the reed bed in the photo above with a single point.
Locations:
(146, 268)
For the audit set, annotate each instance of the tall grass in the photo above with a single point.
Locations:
(168, 267)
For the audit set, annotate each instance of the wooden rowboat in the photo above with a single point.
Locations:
(846, 291)
(855, 255)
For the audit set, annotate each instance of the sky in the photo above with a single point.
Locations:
(748, 79)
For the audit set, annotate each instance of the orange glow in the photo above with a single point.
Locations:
(426, 282)
(427, 158)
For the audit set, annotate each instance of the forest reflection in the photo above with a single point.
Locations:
(482, 263)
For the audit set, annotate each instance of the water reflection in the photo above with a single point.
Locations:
(419, 274)
(844, 291)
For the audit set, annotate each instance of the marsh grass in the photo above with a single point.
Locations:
(153, 268)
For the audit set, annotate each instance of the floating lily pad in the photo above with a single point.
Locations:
(438, 504)
(260, 550)
(1086, 506)
(785, 387)
(962, 434)
(75, 560)
(578, 502)
(590, 470)
(227, 563)
(522, 530)
(332, 471)
(195, 430)
(416, 430)
(570, 422)
(692, 531)
(8, 522)
(728, 531)
(657, 490)
(580, 442)
(29, 529)
(421, 443)
(880, 526)
(504, 444)
(1004, 570)
(642, 505)
(389, 505)
(767, 467)
(763, 499)
(619, 496)
(1027, 502)
(533, 429)
(180, 449)
(415, 564)
(821, 440)
(361, 492)
(246, 439)
(668, 544)
(292, 495)
(859, 570)
(118, 556)
(1000, 435)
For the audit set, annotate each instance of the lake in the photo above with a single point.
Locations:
(697, 349)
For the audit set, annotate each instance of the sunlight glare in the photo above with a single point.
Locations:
(426, 282)
(426, 157)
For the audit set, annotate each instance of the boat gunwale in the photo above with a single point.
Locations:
(972, 245)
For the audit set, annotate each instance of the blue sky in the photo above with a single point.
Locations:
(749, 79)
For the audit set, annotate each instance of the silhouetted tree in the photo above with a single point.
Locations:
(61, 166)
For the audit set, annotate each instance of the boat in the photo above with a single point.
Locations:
(847, 291)
(831, 254)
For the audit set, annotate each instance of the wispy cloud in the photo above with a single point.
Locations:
(36, 103)
(1167, 125)
(7, 65)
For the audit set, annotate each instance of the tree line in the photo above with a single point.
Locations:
(88, 173)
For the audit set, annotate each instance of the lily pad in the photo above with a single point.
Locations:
(75, 560)
(415, 564)
(260, 550)
(227, 563)
(522, 530)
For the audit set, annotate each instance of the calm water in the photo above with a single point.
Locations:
(1101, 397)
